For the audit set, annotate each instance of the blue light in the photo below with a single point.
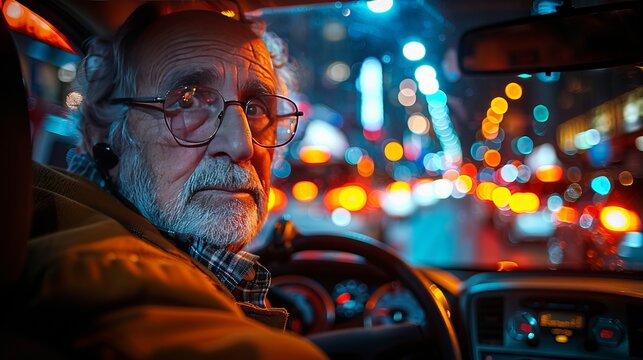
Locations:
(554, 203)
(524, 145)
(601, 185)
(551, 77)
(281, 169)
(541, 113)
(439, 99)
(353, 155)
(600, 154)
(414, 50)
(524, 76)
(380, 6)
(370, 85)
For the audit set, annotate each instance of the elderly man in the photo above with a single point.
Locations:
(181, 115)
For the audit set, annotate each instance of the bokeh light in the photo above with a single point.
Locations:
(524, 202)
(499, 105)
(341, 217)
(352, 197)
(549, 173)
(501, 196)
(393, 151)
(305, 191)
(366, 167)
(413, 50)
(541, 113)
(626, 178)
(379, 6)
(419, 124)
(513, 91)
(601, 185)
(616, 218)
(338, 71)
(492, 158)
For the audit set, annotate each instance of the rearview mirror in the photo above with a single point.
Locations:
(576, 39)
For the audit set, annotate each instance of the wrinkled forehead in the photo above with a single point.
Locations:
(197, 38)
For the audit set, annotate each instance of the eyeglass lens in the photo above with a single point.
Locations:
(193, 115)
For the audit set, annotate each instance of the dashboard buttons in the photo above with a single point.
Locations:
(608, 332)
(523, 326)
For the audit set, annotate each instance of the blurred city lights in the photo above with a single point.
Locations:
(393, 151)
(353, 155)
(424, 73)
(442, 188)
(366, 167)
(639, 143)
(370, 85)
(573, 192)
(574, 174)
(341, 217)
(626, 178)
(305, 191)
(601, 185)
(418, 124)
(587, 139)
(567, 214)
(281, 168)
(397, 200)
(338, 71)
(541, 113)
(509, 173)
(314, 154)
(524, 173)
(485, 190)
(413, 50)
(513, 91)
(429, 87)
(406, 97)
(464, 184)
(499, 105)
(542, 155)
(352, 197)
(501, 197)
(554, 202)
(616, 218)
(492, 158)
(277, 200)
(423, 193)
(408, 84)
(494, 116)
(334, 31)
(379, 6)
(469, 169)
(524, 202)
(549, 173)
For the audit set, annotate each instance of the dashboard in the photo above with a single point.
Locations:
(497, 315)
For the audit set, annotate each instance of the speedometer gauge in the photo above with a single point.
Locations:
(392, 304)
(350, 297)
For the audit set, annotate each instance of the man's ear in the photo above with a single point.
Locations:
(100, 150)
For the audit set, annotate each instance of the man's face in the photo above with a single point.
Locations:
(217, 191)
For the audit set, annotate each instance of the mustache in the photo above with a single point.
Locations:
(222, 174)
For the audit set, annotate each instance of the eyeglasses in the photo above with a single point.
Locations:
(193, 114)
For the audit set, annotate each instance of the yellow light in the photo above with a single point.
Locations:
(561, 339)
(495, 115)
(492, 158)
(567, 214)
(314, 154)
(499, 105)
(398, 186)
(464, 183)
(305, 191)
(277, 200)
(366, 166)
(393, 151)
(549, 173)
(616, 218)
(228, 13)
(501, 197)
(21, 19)
(352, 198)
(485, 189)
(513, 91)
(524, 202)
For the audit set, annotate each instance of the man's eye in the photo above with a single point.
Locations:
(256, 110)
(186, 100)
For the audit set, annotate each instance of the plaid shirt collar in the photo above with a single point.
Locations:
(240, 272)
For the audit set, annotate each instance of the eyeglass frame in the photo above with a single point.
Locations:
(153, 101)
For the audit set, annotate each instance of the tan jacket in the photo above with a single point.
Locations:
(101, 281)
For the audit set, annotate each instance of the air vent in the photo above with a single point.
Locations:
(490, 321)
(635, 330)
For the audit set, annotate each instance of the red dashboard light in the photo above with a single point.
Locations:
(343, 298)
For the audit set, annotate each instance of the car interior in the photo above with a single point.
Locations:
(407, 218)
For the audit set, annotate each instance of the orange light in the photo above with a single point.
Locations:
(21, 19)
(616, 218)
(277, 200)
(366, 166)
(524, 202)
(314, 154)
(331, 199)
(499, 105)
(352, 197)
(492, 158)
(393, 151)
(567, 214)
(485, 189)
(497, 118)
(513, 91)
(501, 197)
(228, 13)
(549, 173)
(305, 191)
(489, 127)
(506, 265)
(374, 199)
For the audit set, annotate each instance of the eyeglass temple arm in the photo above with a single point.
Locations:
(153, 102)
(298, 113)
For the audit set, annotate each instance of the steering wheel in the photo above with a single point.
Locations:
(379, 342)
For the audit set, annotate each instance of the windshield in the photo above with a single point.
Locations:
(538, 171)
(453, 170)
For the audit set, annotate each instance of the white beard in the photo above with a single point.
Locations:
(229, 224)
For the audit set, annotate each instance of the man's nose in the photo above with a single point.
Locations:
(233, 137)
